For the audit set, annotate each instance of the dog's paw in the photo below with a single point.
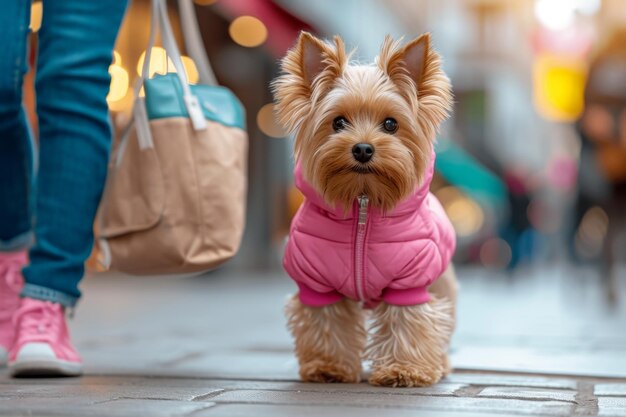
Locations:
(326, 371)
(406, 376)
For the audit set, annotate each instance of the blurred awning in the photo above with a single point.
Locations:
(283, 27)
(460, 169)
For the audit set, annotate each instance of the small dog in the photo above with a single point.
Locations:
(369, 234)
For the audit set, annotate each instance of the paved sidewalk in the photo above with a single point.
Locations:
(542, 342)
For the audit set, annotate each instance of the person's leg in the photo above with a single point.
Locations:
(16, 153)
(75, 50)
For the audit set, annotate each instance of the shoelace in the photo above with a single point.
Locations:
(10, 270)
(38, 322)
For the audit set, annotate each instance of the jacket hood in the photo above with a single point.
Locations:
(405, 206)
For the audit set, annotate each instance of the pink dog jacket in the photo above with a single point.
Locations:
(364, 255)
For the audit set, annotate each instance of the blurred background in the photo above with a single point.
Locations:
(531, 167)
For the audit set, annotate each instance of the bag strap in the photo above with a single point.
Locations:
(194, 43)
(169, 43)
(160, 20)
(154, 28)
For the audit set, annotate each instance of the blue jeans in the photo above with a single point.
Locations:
(50, 201)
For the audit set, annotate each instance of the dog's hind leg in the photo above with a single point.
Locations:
(329, 340)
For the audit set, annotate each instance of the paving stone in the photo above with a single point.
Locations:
(278, 410)
(122, 407)
(483, 405)
(610, 389)
(443, 388)
(489, 379)
(103, 388)
(529, 393)
(12, 391)
(612, 406)
(70, 401)
(152, 408)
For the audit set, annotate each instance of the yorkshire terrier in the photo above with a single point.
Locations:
(369, 234)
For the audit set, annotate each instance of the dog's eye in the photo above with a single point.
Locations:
(390, 125)
(340, 123)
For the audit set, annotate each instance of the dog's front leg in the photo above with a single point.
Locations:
(329, 340)
(408, 345)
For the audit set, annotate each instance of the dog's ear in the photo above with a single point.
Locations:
(417, 60)
(416, 69)
(308, 70)
(312, 51)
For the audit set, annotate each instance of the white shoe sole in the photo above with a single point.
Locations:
(38, 360)
(44, 368)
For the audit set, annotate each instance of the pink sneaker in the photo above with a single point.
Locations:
(11, 283)
(42, 344)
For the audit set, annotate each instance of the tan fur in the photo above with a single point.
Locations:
(446, 287)
(329, 340)
(408, 345)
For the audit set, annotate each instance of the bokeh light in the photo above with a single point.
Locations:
(160, 63)
(562, 172)
(117, 58)
(466, 215)
(294, 200)
(597, 122)
(190, 69)
(266, 121)
(248, 31)
(591, 233)
(495, 253)
(36, 14)
(120, 82)
(543, 217)
(560, 14)
(554, 14)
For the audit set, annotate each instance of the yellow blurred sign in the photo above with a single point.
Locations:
(559, 85)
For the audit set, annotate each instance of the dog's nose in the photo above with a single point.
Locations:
(362, 152)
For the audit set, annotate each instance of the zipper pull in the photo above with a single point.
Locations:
(363, 202)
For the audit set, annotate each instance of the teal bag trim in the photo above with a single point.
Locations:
(164, 99)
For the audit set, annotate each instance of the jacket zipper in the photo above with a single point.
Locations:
(359, 251)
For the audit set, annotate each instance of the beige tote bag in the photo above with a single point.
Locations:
(174, 200)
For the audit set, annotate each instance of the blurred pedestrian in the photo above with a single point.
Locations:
(602, 172)
(49, 197)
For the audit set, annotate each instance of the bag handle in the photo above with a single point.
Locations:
(154, 28)
(160, 19)
(194, 43)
